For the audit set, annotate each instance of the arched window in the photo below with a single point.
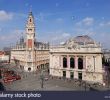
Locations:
(64, 62)
(30, 20)
(72, 63)
(80, 63)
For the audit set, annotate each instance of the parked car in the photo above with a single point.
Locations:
(10, 76)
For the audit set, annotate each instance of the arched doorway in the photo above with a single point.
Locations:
(72, 63)
(80, 63)
(64, 62)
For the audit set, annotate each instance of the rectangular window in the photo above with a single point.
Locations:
(72, 75)
(64, 74)
(80, 76)
(29, 29)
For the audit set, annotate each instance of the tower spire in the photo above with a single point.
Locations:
(30, 10)
(30, 40)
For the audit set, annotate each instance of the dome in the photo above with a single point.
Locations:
(81, 40)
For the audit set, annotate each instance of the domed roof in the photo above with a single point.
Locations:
(80, 40)
(84, 39)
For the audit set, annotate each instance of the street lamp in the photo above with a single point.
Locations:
(85, 86)
(42, 79)
(108, 77)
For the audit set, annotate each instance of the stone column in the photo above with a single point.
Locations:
(84, 62)
(94, 62)
(76, 62)
(68, 61)
(61, 61)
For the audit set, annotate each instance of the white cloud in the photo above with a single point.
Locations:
(65, 35)
(55, 37)
(84, 31)
(103, 18)
(59, 20)
(18, 31)
(87, 4)
(26, 4)
(0, 29)
(5, 15)
(40, 16)
(104, 24)
(57, 4)
(101, 24)
(86, 21)
(104, 38)
(11, 38)
(62, 36)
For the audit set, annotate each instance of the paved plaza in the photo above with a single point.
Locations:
(32, 82)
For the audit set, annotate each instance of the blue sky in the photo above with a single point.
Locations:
(56, 20)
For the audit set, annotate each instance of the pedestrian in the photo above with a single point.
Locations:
(26, 75)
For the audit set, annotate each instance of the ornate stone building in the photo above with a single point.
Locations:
(28, 54)
(4, 57)
(78, 58)
(106, 57)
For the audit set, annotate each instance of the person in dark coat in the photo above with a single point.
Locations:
(2, 88)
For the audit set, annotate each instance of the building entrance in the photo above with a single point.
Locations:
(64, 74)
(80, 76)
(71, 75)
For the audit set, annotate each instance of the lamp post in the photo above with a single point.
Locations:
(85, 86)
(94, 63)
(108, 77)
(42, 79)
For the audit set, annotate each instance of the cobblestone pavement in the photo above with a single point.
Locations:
(32, 82)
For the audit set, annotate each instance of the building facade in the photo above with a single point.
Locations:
(29, 54)
(4, 57)
(78, 58)
(106, 57)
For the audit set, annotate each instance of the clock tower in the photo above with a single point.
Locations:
(30, 40)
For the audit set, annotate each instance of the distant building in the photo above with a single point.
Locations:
(106, 57)
(78, 58)
(106, 65)
(29, 54)
(4, 57)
